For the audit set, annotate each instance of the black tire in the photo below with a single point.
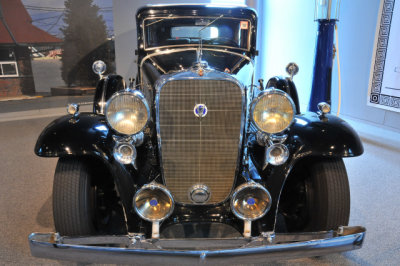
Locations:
(73, 200)
(85, 201)
(316, 196)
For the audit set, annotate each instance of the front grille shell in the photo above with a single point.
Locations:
(181, 166)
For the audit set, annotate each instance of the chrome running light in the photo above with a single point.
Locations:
(154, 203)
(249, 202)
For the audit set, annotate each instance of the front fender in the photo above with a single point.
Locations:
(86, 134)
(309, 136)
(312, 135)
(327, 136)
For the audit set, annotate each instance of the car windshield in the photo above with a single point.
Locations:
(228, 32)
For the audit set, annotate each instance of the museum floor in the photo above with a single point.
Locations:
(26, 184)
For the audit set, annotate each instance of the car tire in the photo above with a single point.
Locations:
(320, 188)
(73, 200)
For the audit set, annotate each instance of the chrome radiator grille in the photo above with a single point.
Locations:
(200, 150)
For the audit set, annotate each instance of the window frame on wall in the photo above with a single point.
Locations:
(8, 59)
(2, 75)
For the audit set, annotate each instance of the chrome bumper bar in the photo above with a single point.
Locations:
(135, 248)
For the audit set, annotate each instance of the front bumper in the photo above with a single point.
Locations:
(136, 249)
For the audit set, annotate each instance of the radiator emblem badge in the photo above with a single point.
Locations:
(199, 194)
(200, 110)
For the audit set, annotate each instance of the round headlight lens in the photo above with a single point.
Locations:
(273, 111)
(127, 112)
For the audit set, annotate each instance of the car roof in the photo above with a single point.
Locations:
(237, 11)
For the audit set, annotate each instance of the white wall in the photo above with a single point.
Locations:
(289, 34)
(356, 38)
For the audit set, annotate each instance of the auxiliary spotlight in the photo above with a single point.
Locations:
(250, 201)
(154, 203)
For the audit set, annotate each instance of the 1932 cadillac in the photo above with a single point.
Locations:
(193, 161)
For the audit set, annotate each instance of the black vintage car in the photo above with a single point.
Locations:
(193, 160)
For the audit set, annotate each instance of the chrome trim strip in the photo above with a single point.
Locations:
(198, 17)
(267, 247)
(157, 66)
(208, 75)
(208, 5)
(195, 45)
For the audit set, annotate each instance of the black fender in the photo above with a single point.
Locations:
(88, 135)
(325, 136)
(105, 88)
(310, 136)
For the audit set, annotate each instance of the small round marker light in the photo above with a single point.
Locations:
(277, 154)
(125, 153)
(73, 109)
(324, 108)
(99, 67)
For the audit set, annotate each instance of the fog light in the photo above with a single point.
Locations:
(277, 154)
(153, 202)
(125, 153)
(250, 201)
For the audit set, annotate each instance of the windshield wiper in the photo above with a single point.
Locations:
(154, 22)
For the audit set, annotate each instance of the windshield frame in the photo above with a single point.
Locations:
(143, 26)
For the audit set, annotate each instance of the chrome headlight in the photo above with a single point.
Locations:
(272, 111)
(127, 112)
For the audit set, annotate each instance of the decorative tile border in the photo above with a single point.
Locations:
(375, 97)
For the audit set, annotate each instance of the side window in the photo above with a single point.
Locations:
(8, 65)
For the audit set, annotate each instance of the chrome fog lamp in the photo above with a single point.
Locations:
(127, 112)
(125, 153)
(154, 203)
(250, 201)
(277, 154)
(272, 111)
